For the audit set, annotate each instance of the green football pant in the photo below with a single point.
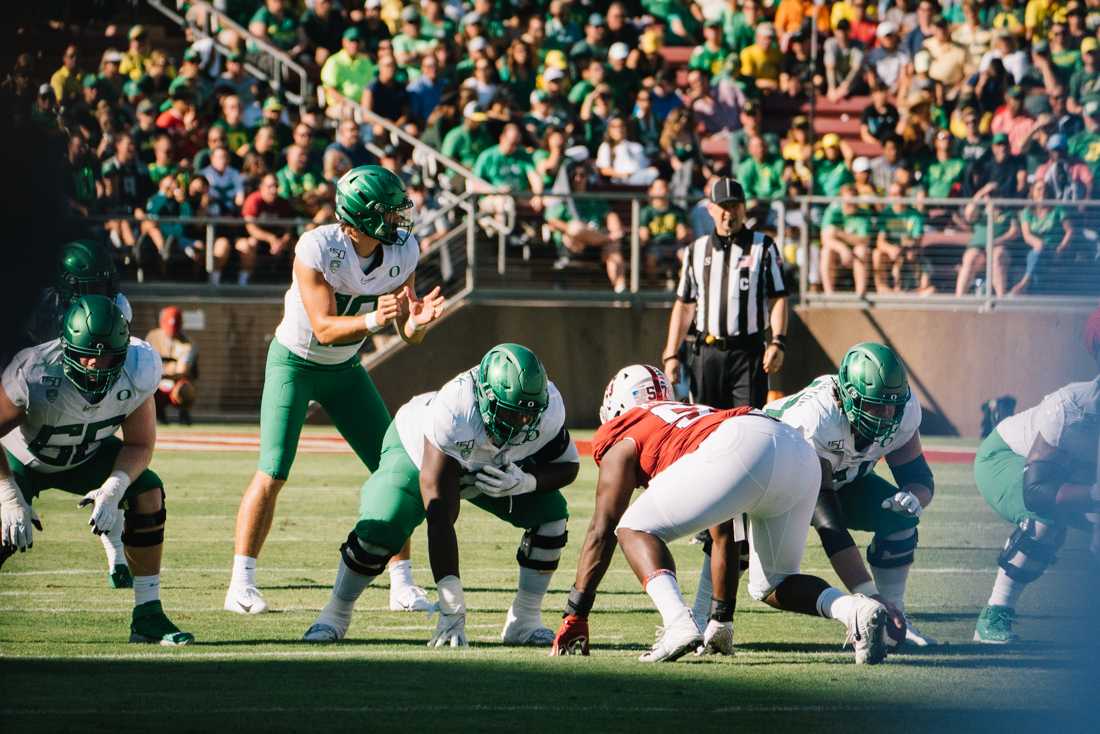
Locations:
(999, 473)
(344, 390)
(861, 502)
(82, 478)
(390, 505)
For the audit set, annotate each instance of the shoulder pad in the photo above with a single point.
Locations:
(143, 366)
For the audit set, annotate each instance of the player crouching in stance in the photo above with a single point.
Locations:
(60, 405)
(852, 419)
(1038, 470)
(494, 435)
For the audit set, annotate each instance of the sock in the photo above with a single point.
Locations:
(401, 575)
(215, 277)
(244, 571)
(891, 583)
(146, 589)
(346, 590)
(530, 590)
(665, 593)
(112, 545)
(242, 278)
(1006, 591)
(835, 604)
(701, 608)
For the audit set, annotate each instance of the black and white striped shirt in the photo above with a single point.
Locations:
(730, 279)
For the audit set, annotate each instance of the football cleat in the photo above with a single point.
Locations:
(867, 630)
(244, 600)
(675, 641)
(150, 625)
(995, 626)
(525, 632)
(915, 637)
(120, 577)
(717, 639)
(410, 599)
(323, 634)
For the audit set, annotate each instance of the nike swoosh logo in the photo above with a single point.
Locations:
(246, 608)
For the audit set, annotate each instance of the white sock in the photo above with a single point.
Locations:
(891, 583)
(244, 571)
(530, 590)
(1006, 591)
(401, 575)
(665, 593)
(703, 594)
(112, 545)
(146, 589)
(835, 604)
(346, 590)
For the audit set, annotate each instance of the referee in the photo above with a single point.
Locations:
(727, 280)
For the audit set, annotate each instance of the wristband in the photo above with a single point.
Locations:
(867, 588)
(370, 320)
(452, 600)
(579, 603)
(720, 610)
(667, 357)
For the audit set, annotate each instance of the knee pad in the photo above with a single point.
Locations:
(364, 558)
(540, 548)
(891, 551)
(1038, 554)
(135, 521)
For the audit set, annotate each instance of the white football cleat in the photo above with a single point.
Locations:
(717, 639)
(676, 640)
(525, 632)
(323, 634)
(410, 599)
(914, 636)
(867, 630)
(244, 600)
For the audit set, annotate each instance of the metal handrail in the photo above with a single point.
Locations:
(280, 57)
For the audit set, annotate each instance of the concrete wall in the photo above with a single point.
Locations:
(956, 360)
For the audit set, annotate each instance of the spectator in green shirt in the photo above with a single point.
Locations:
(663, 229)
(900, 229)
(710, 55)
(466, 142)
(1085, 145)
(507, 167)
(1005, 230)
(581, 224)
(845, 241)
(275, 24)
(295, 179)
(739, 28)
(237, 134)
(409, 44)
(761, 176)
(1049, 233)
(164, 163)
(831, 167)
(945, 173)
(346, 74)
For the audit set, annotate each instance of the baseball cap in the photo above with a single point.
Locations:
(352, 34)
(556, 58)
(553, 74)
(726, 190)
(713, 23)
(1057, 141)
(843, 25)
(1092, 108)
(1000, 139)
(539, 96)
(477, 44)
(886, 28)
(137, 31)
(90, 80)
(1089, 45)
(473, 111)
(1015, 91)
(273, 103)
(146, 107)
(830, 140)
(191, 55)
(131, 88)
(618, 50)
(45, 90)
(800, 121)
(112, 56)
(766, 28)
(372, 4)
(410, 14)
(595, 19)
(750, 108)
(861, 164)
(471, 18)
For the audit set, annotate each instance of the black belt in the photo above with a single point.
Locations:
(751, 341)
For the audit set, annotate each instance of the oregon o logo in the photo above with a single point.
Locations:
(395, 270)
(124, 394)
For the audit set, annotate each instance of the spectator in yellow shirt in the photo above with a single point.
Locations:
(1038, 16)
(346, 75)
(137, 54)
(65, 82)
(760, 61)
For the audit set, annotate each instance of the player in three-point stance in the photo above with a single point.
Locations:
(704, 467)
(1038, 470)
(852, 419)
(60, 405)
(495, 436)
(350, 279)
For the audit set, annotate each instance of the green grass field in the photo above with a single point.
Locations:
(67, 666)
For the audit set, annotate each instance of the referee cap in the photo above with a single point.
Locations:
(726, 190)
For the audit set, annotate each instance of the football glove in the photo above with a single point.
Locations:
(105, 502)
(903, 503)
(451, 627)
(717, 639)
(507, 481)
(572, 636)
(17, 519)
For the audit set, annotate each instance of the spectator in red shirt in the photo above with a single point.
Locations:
(1013, 120)
(172, 119)
(274, 240)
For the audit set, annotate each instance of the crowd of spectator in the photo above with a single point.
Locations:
(978, 100)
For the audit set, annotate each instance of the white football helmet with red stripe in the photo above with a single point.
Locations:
(632, 386)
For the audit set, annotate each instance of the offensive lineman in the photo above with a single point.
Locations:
(703, 467)
(1038, 470)
(60, 404)
(350, 280)
(493, 435)
(853, 419)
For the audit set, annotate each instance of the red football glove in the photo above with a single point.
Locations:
(572, 636)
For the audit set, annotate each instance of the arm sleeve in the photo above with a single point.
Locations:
(560, 449)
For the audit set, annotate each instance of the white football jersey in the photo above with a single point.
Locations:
(816, 412)
(330, 253)
(451, 421)
(1067, 419)
(62, 429)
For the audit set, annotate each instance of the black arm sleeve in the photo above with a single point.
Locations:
(916, 471)
(829, 522)
(1042, 480)
(552, 450)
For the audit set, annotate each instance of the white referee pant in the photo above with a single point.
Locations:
(749, 464)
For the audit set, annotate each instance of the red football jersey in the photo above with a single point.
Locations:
(662, 431)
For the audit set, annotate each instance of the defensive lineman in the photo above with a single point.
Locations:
(350, 279)
(494, 435)
(1038, 470)
(853, 419)
(60, 404)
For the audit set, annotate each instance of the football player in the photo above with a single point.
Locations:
(495, 436)
(704, 467)
(630, 387)
(60, 405)
(350, 280)
(852, 419)
(1038, 470)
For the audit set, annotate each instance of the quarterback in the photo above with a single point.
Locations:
(350, 279)
(1038, 470)
(704, 467)
(495, 436)
(852, 419)
(60, 405)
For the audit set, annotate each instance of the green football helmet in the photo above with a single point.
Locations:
(874, 389)
(85, 268)
(94, 327)
(372, 199)
(511, 391)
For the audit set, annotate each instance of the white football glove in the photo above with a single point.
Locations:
(451, 627)
(507, 481)
(105, 501)
(903, 503)
(17, 519)
(717, 639)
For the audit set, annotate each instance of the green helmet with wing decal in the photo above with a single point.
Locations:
(85, 268)
(372, 199)
(94, 327)
(874, 389)
(512, 391)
